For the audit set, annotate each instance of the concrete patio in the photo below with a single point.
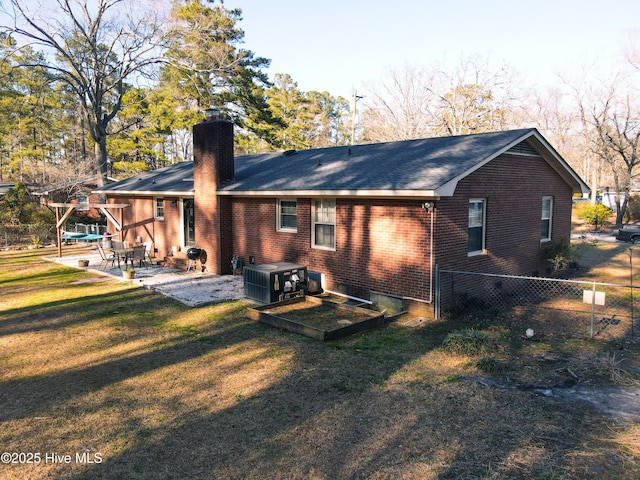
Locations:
(191, 288)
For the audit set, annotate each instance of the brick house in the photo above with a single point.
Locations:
(373, 219)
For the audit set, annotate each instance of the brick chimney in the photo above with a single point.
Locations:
(213, 167)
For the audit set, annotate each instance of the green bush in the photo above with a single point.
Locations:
(467, 342)
(561, 256)
(593, 213)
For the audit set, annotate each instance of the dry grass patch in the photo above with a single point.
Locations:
(164, 391)
(629, 438)
(607, 366)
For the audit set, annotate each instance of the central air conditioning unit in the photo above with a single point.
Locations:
(274, 282)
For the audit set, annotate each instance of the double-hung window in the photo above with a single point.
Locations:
(287, 220)
(323, 218)
(158, 208)
(547, 216)
(477, 219)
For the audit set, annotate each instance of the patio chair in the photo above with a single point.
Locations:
(139, 255)
(106, 256)
(148, 246)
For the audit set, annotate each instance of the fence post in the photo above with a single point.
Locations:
(593, 307)
(633, 334)
(437, 293)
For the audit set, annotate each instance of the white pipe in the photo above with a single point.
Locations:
(368, 302)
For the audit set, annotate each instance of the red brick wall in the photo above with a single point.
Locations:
(138, 220)
(513, 187)
(381, 245)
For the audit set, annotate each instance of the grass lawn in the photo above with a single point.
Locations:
(103, 380)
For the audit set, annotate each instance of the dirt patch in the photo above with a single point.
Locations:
(317, 318)
(321, 316)
(620, 402)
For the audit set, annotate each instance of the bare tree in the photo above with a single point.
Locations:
(553, 112)
(401, 106)
(93, 48)
(631, 49)
(415, 101)
(477, 97)
(611, 117)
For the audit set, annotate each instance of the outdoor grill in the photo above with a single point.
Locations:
(197, 258)
(194, 253)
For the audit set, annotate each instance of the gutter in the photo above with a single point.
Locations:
(115, 193)
(395, 194)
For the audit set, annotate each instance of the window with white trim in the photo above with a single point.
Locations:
(158, 208)
(323, 218)
(287, 220)
(547, 217)
(477, 216)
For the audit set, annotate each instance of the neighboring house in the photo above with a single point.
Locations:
(370, 218)
(73, 190)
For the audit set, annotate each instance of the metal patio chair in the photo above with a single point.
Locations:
(139, 255)
(106, 256)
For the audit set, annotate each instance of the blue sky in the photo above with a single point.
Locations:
(339, 46)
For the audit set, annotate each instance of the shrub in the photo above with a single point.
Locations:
(561, 256)
(491, 365)
(467, 342)
(593, 213)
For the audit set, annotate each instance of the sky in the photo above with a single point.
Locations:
(341, 46)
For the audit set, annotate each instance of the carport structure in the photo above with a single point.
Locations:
(61, 218)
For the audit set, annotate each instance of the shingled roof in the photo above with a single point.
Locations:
(175, 179)
(427, 168)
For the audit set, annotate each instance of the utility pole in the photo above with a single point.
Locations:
(356, 97)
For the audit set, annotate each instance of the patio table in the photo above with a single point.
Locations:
(125, 254)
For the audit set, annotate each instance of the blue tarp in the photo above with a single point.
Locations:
(85, 237)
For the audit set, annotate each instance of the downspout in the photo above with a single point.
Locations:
(429, 206)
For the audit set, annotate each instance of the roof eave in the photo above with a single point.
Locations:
(551, 156)
(558, 163)
(431, 194)
(186, 193)
(448, 188)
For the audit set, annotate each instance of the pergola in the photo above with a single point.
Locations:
(103, 207)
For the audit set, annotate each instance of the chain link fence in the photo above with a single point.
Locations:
(546, 306)
(42, 234)
(29, 234)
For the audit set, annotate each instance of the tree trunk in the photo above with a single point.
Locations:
(101, 160)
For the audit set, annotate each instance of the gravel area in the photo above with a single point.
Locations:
(191, 288)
